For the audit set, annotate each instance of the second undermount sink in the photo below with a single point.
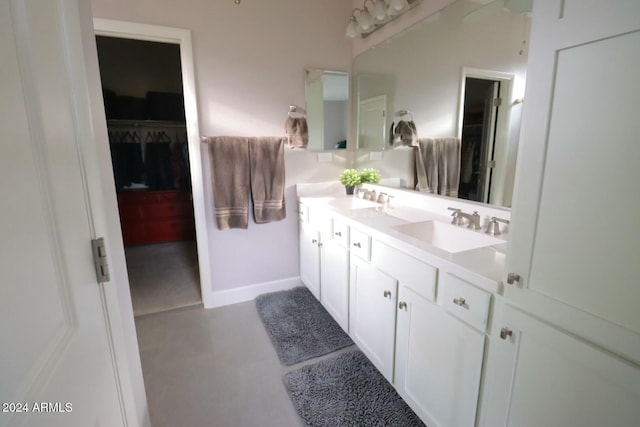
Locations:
(449, 238)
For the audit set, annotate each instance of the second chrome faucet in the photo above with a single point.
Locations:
(473, 220)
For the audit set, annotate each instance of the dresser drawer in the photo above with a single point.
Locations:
(341, 233)
(360, 244)
(464, 300)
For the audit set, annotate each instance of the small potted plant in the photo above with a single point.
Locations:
(350, 178)
(370, 175)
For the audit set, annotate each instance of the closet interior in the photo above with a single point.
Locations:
(144, 106)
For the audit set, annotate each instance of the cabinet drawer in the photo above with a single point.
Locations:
(341, 233)
(303, 213)
(409, 271)
(360, 244)
(464, 300)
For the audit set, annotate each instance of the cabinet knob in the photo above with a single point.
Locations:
(505, 332)
(387, 294)
(319, 245)
(338, 233)
(314, 241)
(459, 301)
(513, 278)
(357, 245)
(402, 305)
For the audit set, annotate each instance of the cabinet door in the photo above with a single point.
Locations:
(552, 378)
(438, 362)
(310, 259)
(372, 296)
(574, 238)
(334, 275)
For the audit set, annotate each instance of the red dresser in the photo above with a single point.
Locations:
(156, 216)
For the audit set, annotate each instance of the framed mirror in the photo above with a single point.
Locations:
(425, 70)
(327, 107)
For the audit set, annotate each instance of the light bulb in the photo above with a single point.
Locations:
(353, 29)
(380, 10)
(365, 20)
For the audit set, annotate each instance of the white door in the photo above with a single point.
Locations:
(557, 379)
(56, 355)
(574, 235)
(372, 317)
(438, 362)
(334, 273)
(372, 123)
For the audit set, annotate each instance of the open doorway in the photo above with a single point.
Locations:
(481, 103)
(144, 105)
(483, 129)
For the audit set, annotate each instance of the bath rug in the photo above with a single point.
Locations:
(347, 390)
(299, 326)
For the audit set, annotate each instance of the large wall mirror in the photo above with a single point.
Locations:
(443, 70)
(327, 105)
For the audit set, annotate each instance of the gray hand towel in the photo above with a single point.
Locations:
(404, 133)
(229, 157)
(426, 158)
(448, 150)
(297, 131)
(266, 158)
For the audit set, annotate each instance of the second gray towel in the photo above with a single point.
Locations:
(266, 159)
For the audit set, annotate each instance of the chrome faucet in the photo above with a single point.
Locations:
(474, 219)
(369, 195)
(493, 227)
(381, 198)
(457, 219)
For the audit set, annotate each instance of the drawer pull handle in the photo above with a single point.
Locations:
(338, 233)
(357, 245)
(387, 294)
(505, 332)
(459, 301)
(402, 305)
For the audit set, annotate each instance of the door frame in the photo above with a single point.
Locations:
(181, 37)
(502, 127)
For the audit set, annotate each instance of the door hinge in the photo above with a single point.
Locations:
(100, 260)
(497, 102)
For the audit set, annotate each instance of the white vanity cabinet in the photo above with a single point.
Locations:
(310, 258)
(324, 260)
(438, 362)
(372, 313)
(334, 274)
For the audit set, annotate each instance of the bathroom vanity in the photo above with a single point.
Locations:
(413, 291)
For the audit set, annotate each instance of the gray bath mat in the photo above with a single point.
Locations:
(347, 390)
(299, 327)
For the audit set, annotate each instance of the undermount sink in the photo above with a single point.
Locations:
(351, 203)
(449, 238)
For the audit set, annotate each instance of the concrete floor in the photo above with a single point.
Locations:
(214, 368)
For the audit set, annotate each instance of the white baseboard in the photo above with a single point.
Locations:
(248, 293)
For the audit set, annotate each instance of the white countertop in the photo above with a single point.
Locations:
(484, 267)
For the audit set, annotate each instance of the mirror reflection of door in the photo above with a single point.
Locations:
(372, 120)
(479, 123)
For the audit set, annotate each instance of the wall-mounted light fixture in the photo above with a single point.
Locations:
(367, 19)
